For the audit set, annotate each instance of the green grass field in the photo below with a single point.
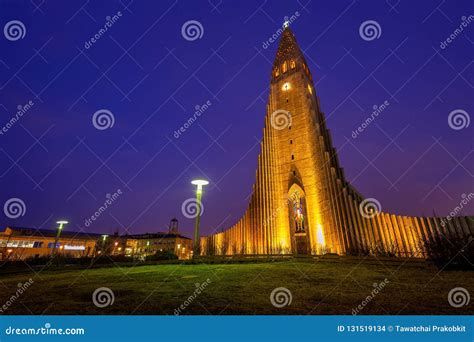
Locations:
(317, 287)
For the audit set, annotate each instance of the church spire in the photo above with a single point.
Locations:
(289, 55)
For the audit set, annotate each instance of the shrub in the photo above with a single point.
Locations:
(378, 249)
(450, 251)
(162, 255)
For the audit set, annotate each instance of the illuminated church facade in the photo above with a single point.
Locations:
(301, 202)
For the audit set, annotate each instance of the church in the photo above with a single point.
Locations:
(302, 203)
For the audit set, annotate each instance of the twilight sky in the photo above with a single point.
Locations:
(144, 71)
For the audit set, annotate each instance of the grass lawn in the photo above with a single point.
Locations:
(317, 287)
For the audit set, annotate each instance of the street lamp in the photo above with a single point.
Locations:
(104, 237)
(61, 224)
(199, 184)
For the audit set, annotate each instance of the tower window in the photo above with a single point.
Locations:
(294, 173)
(291, 142)
(292, 157)
(292, 64)
(277, 72)
(284, 67)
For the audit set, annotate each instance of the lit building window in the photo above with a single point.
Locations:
(277, 72)
(309, 89)
(292, 64)
(284, 67)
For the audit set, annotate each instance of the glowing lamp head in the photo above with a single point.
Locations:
(61, 223)
(199, 183)
(104, 237)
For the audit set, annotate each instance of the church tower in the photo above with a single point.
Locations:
(298, 127)
(173, 228)
(301, 202)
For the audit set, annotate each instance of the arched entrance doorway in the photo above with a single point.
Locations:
(298, 218)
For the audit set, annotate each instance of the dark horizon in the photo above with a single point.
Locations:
(51, 158)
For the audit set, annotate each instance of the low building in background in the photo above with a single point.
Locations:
(19, 243)
(143, 245)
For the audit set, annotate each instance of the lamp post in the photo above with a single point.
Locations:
(61, 224)
(199, 184)
(104, 237)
